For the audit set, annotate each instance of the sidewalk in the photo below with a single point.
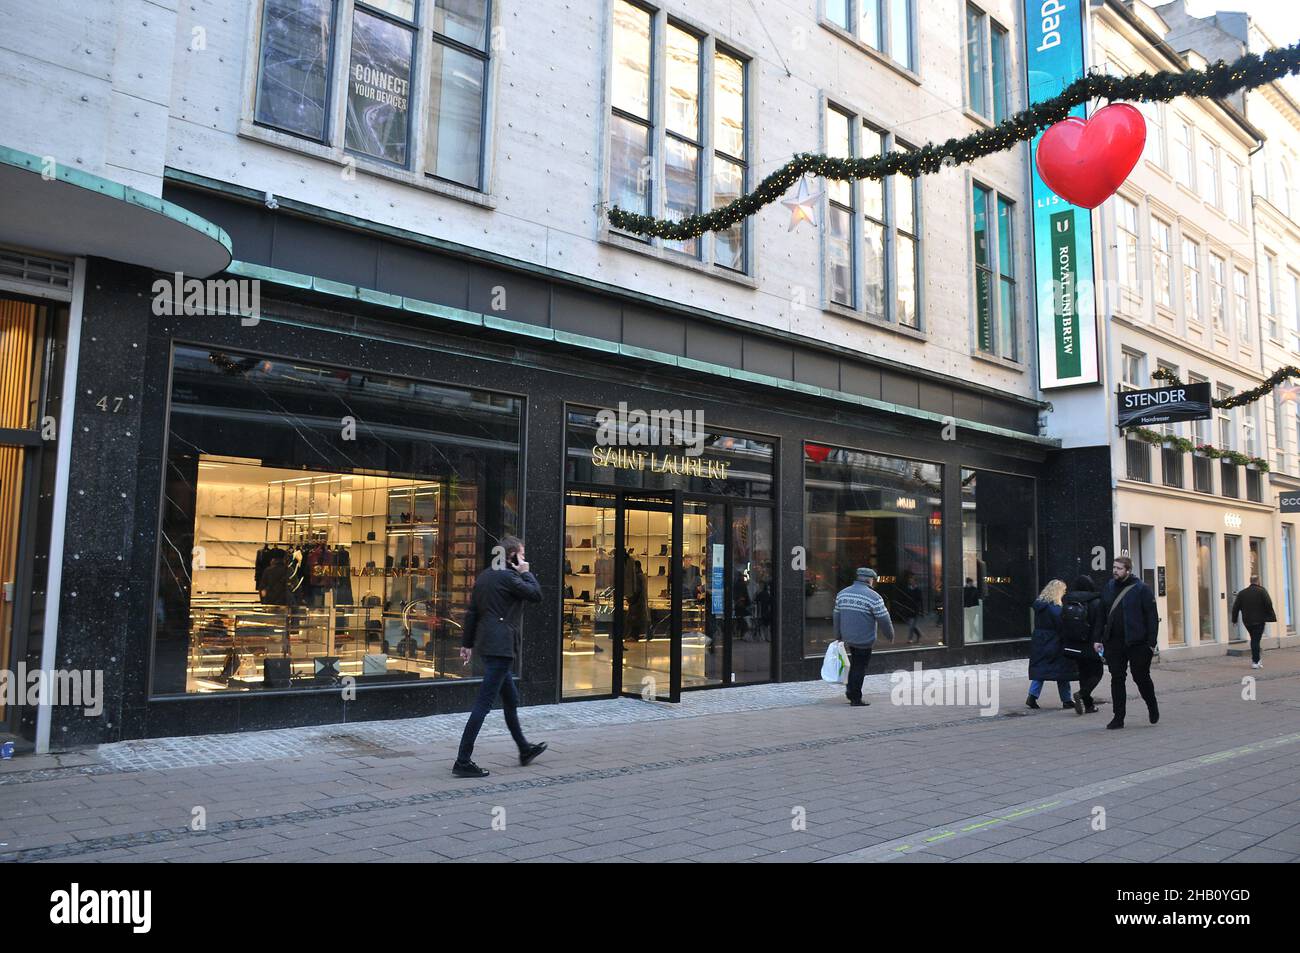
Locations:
(774, 773)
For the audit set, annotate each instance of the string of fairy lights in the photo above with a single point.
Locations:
(1246, 396)
(1215, 81)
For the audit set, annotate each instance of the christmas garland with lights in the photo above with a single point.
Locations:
(1183, 445)
(1217, 81)
(1246, 396)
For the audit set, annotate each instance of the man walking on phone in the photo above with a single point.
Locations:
(492, 622)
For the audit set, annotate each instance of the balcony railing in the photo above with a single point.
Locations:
(1202, 474)
(1228, 479)
(1171, 466)
(1138, 453)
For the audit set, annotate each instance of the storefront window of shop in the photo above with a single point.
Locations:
(1232, 575)
(999, 566)
(1205, 604)
(885, 513)
(625, 471)
(1175, 629)
(322, 523)
(1288, 578)
(301, 72)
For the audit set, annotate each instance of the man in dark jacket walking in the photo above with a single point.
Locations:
(492, 624)
(1130, 628)
(1255, 607)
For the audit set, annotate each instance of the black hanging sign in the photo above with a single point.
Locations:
(1164, 405)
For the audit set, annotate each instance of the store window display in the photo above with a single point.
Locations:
(321, 523)
(999, 571)
(885, 513)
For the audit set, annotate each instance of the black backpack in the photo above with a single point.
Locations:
(1076, 633)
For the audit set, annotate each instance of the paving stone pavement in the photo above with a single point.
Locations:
(767, 773)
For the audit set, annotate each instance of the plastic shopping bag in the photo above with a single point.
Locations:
(835, 667)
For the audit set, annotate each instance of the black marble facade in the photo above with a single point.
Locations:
(108, 603)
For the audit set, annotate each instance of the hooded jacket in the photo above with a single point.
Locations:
(1091, 601)
(1047, 659)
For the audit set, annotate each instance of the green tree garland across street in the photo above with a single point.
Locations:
(1183, 445)
(1246, 396)
(1216, 81)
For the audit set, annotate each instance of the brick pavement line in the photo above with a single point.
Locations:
(923, 839)
(118, 841)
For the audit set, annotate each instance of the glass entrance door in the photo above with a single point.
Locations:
(648, 590)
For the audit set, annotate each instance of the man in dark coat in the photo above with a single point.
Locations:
(1130, 628)
(492, 624)
(1255, 607)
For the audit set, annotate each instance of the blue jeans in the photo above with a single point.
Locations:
(496, 681)
(1067, 697)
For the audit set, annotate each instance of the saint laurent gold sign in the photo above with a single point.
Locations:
(623, 459)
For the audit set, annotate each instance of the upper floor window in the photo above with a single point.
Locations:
(1191, 281)
(987, 56)
(996, 327)
(1161, 269)
(1234, 198)
(665, 158)
(1268, 294)
(1295, 313)
(884, 25)
(1157, 148)
(1218, 293)
(1283, 197)
(1126, 253)
(1209, 172)
(880, 270)
(1133, 370)
(298, 80)
(1183, 154)
(1241, 303)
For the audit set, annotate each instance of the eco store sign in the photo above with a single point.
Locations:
(1063, 268)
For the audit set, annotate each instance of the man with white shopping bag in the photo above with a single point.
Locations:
(859, 612)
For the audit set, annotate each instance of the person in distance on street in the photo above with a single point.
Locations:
(492, 623)
(859, 612)
(1081, 631)
(1255, 607)
(1047, 658)
(1129, 631)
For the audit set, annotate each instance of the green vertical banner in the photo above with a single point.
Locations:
(1065, 319)
(1065, 302)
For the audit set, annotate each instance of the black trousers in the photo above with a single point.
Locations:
(1119, 658)
(1256, 633)
(859, 656)
(1090, 672)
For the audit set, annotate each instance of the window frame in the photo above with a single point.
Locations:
(994, 198)
(332, 148)
(1196, 274)
(705, 257)
(889, 317)
(1167, 250)
(884, 21)
(994, 112)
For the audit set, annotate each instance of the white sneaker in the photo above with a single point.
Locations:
(1256, 665)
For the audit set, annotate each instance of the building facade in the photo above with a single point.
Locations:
(269, 493)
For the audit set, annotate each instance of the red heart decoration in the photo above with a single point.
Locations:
(1084, 162)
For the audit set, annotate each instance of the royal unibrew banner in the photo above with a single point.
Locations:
(1164, 405)
(1063, 269)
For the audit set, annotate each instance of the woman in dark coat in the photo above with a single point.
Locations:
(1047, 660)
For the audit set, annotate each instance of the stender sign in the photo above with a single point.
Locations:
(1164, 405)
(1063, 268)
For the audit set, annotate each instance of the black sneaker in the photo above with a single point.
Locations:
(468, 769)
(860, 703)
(1031, 701)
(1153, 712)
(1078, 704)
(528, 755)
(1113, 724)
(1067, 706)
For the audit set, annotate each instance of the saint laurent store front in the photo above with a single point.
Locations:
(300, 504)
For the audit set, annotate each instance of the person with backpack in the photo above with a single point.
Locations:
(1047, 658)
(1255, 608)
(1081, 634)
(1130, 631)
